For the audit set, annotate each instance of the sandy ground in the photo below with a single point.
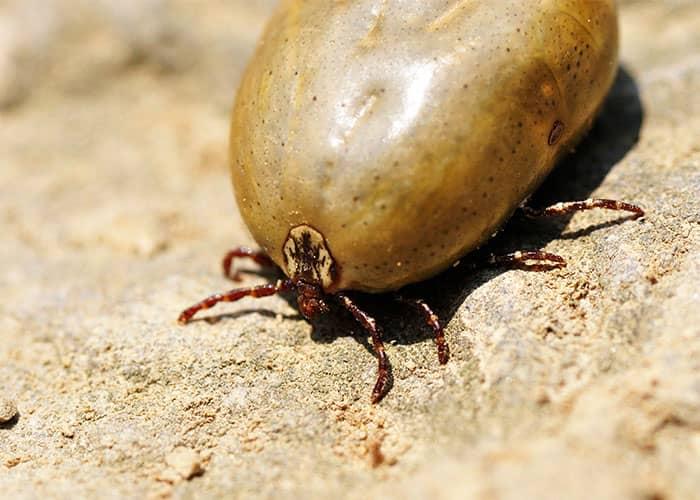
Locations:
(115, 208)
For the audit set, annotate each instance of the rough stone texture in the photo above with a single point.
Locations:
(115, 208)
(8, 410)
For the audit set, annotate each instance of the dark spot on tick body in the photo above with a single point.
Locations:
(556, 133)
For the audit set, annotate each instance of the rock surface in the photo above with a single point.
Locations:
(115, 208)
(8, 410)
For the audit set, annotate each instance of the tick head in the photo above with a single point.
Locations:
(311, 301)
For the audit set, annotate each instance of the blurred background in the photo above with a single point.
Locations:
(104, 99)
(115, 207)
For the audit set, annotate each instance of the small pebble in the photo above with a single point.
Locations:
(68, 432)
(8, 410)
(186, 462)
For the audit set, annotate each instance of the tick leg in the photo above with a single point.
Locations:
(233, 296)
(579, 206)
(257, 256)
(383, 384)
(531, 261)
(434, 322)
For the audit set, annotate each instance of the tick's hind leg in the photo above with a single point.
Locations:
(257, 256)
(233, 296)
(383, 384)
(434, 323)
(531, 261)
(570, 207)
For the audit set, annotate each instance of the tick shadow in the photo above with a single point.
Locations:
(614, 133)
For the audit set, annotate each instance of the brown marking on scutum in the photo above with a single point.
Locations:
(308, 258)
(556, 133)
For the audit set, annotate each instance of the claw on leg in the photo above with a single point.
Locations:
(383, 384)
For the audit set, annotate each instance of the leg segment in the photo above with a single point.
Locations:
(381, 387)
(531, 261)
(233, 296)
(579, 206)
(257, 256)
(434, 322)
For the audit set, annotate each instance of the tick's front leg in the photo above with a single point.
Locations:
(233, 296)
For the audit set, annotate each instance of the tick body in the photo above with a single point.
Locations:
(374, 143)
(408, 132)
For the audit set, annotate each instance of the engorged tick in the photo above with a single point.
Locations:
(348, 188)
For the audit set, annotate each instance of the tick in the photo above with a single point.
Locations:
(374, 143)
